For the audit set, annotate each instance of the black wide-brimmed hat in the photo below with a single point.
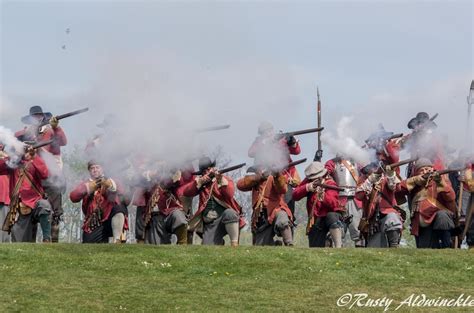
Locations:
(379, 134)
(35, 110)
(205, 163)
(421, 118)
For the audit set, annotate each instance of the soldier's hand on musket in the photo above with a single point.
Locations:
(311, 187)
(389, 171)
(205, 179)
(29, 153)
(54, 122)
(374, 177)
(420, 180)
(92, 186)
(290, 140)
(108, 183)
(437, 178)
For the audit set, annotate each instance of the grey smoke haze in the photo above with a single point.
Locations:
(12, 146)
(344, 144)
(172, 67)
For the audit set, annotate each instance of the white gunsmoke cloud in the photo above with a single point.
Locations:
(159, 102)
(12, 146)
(344, 144)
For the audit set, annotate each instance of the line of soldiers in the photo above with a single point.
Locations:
(342, 196)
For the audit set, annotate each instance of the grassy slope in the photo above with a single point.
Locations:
(135, 278)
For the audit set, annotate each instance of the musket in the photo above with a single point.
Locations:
(65, 115)
(294, 163)
(231, 168)
(396, 164)
(41, 144)
(212, 128)
(429, 176)
(442, 172)
(326, 186)
(319, 153)
(403, 162)
(224, 170)
(298, 132)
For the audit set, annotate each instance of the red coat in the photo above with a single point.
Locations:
(168, 199)
(49, 133)
(330, 202)
(38, 172)
(4, 190)
(105, 199)
(273, 193)
(445, 197)
(224, 195)
(141, 192)
(385, 203)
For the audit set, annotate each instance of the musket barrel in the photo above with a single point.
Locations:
(398, 164)
(42, 144)
(212, 128)
(294, 163)
(65, 115)
(59, 117)
(304, 131)
(331, 187)
(449, 171)
(232, 168)
(225, 170)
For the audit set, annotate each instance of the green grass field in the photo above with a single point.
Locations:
(76, 277)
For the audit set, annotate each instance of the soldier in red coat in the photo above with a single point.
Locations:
(103, 205)
(164, 213)
(271, 215)
(55, 185)
(218, 213)
(433, 206)
(268, 145)
(4, 198)
(161, 211)
(324, 209)
(382, 222)
(27, 197)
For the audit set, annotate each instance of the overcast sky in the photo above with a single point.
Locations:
(378, 61)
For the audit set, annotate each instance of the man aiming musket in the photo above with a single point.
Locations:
(218, 212)
(269, 146)
(28, 205)
(43, 126)
(271, 215)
